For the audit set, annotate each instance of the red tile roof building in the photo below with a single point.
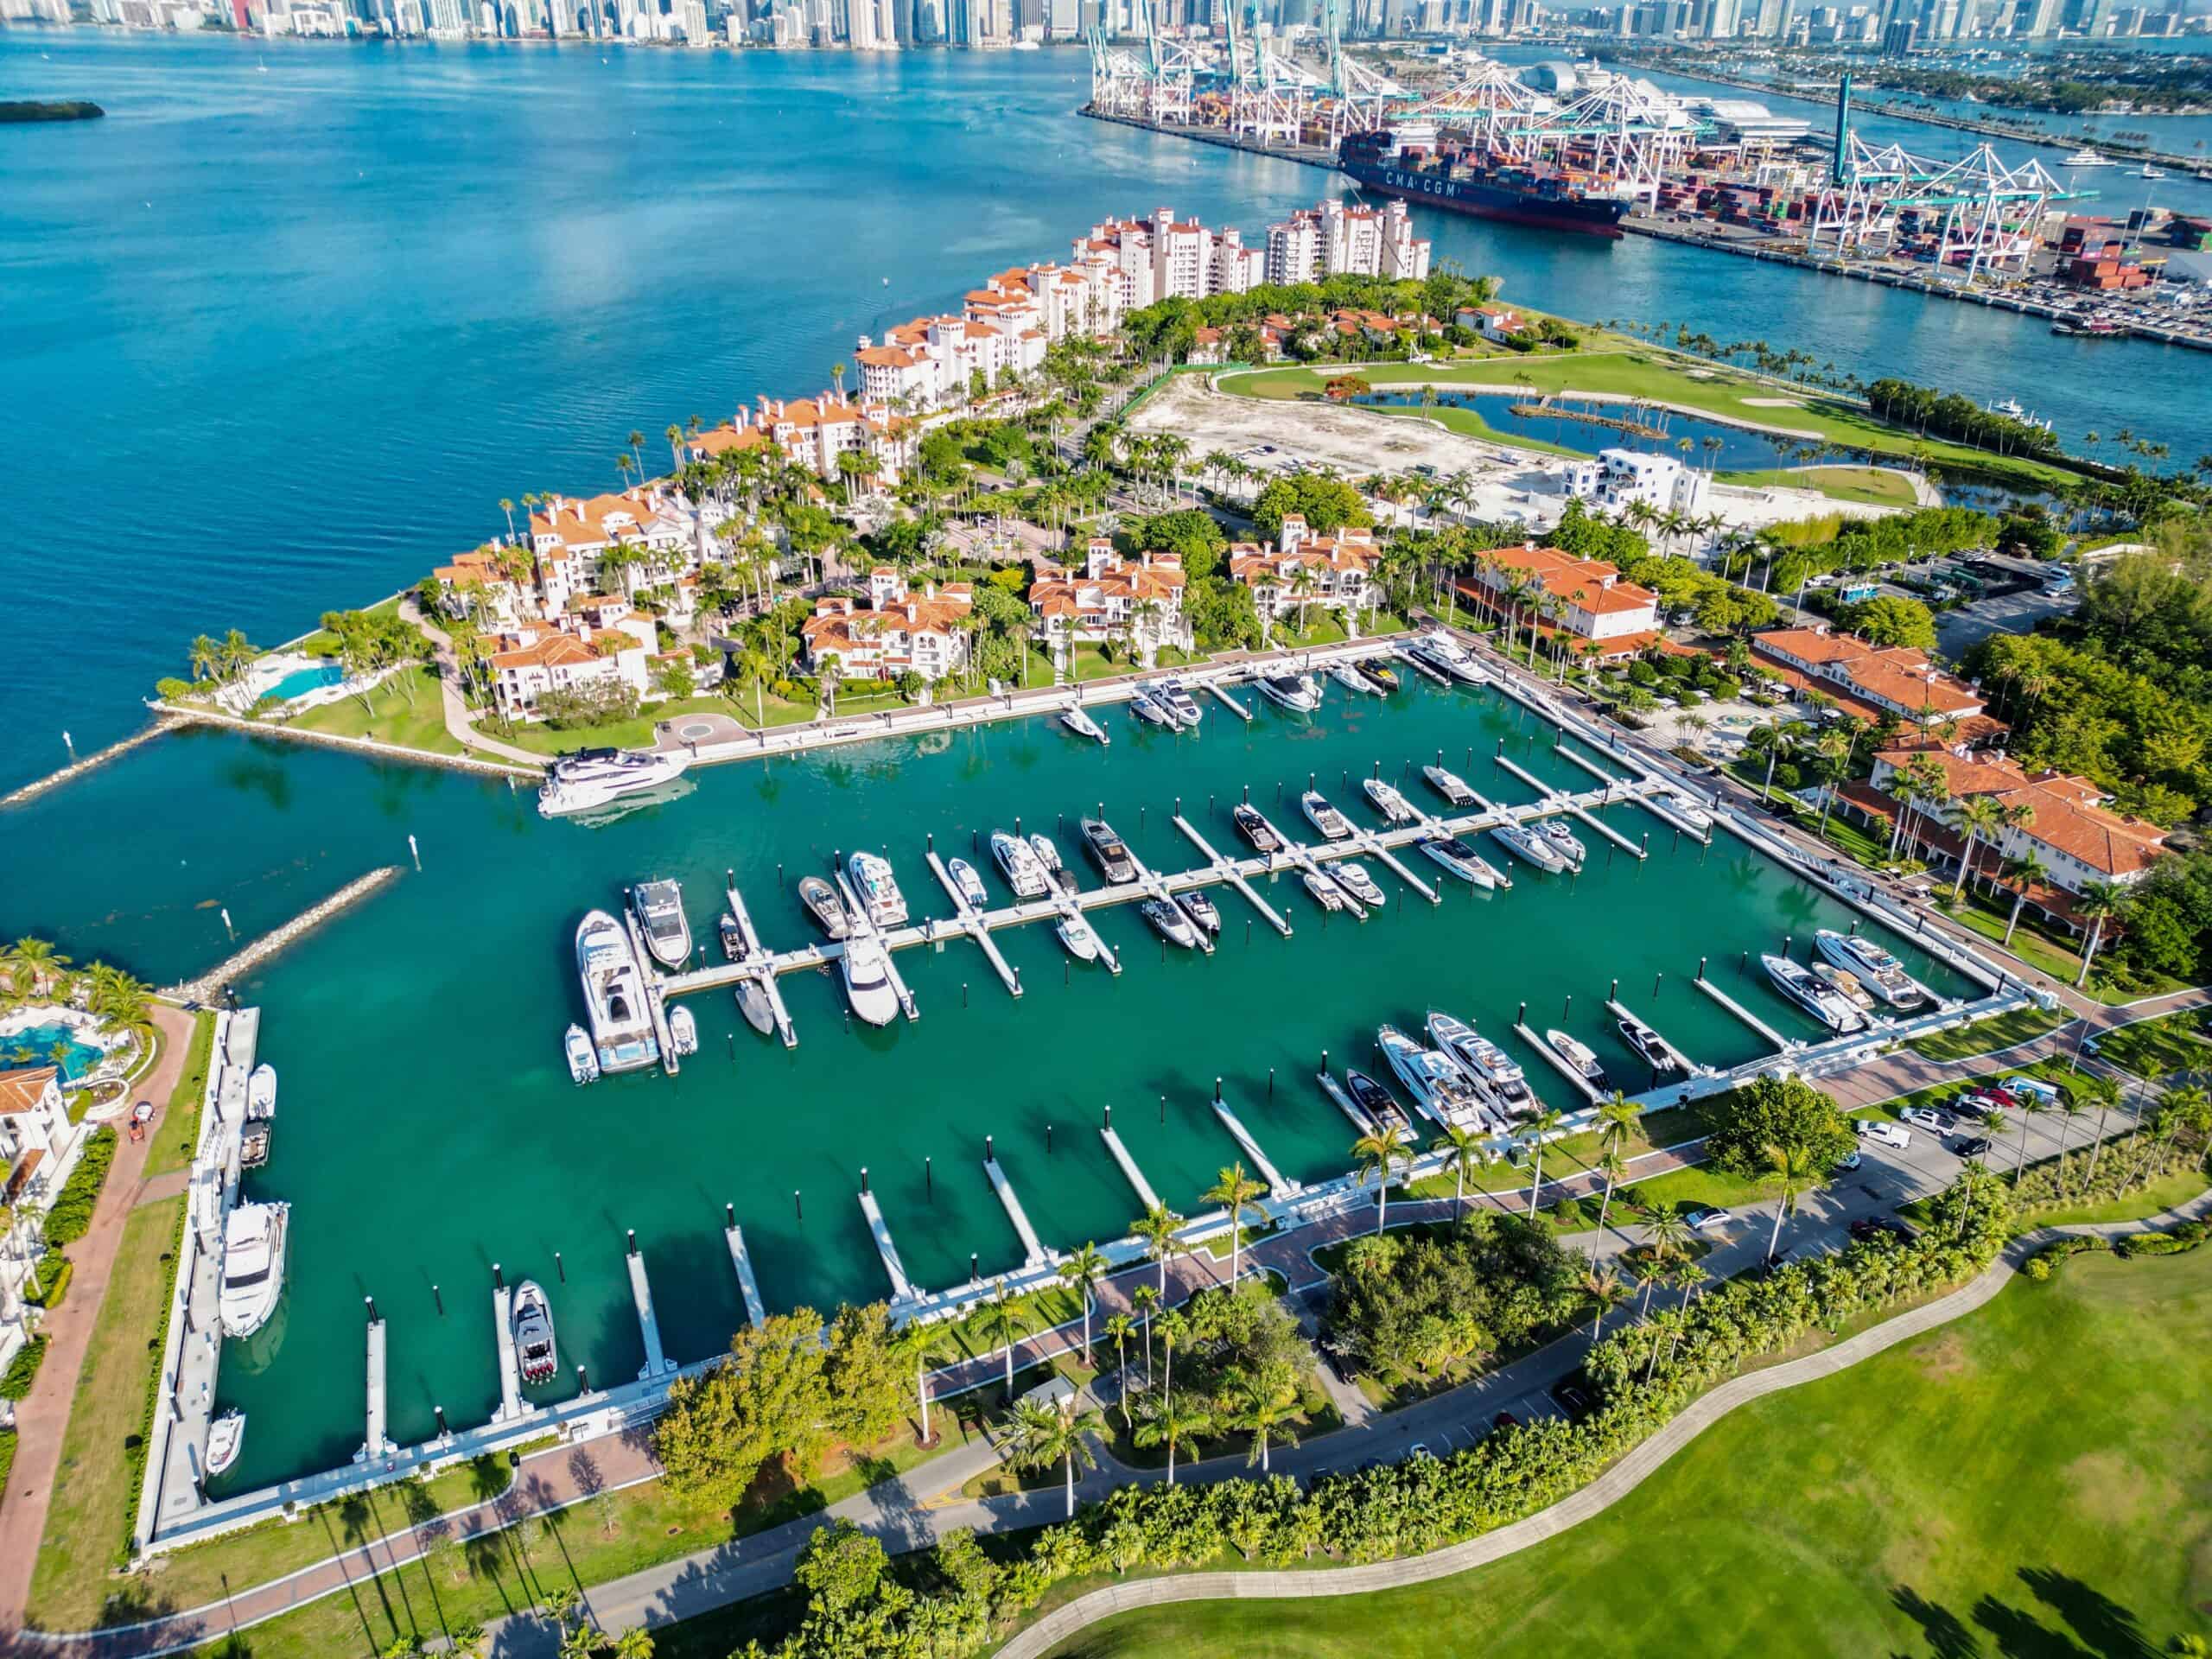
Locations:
(1339, 570)
(894, 631)
(1868, 679)
(1111, 597)
(1588, 598)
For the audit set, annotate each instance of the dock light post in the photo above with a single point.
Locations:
(1788, 940)
(583, 1380)
(1163, 1109)
(630, 1248)
(438, 1412)
(1743, 961)
(1017, 826)
(1216, 1092)
(1569, 1008)
(1309, 780)
(1271, 1083)
(798, 1208)
(964, 997)
(371, 1302)
(1109, 1118)
(1644, 852)
(563, 1272)
(498, 1280)
(863, 1180)
(1325, 1062)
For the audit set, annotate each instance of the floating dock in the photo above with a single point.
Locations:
(1783, 1044)
(748, 1286)
(1233, 707)
(1228, 873)
(1351, 1108)
(656, 1004)
(641, 1292)
(378, 1443)
(972, 924)
(511, 1404)
(902, 1289)
(1034, 1254)
(757, 963)
(1277, 1184)
(1624, 1012)
(1583, 1085)
(1138, 1185)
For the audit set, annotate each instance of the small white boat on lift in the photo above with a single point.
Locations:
(538, 1355)
(973, 892)
(1083, 725)
(225, 1438)
(1386, 799)
(1017, 862)
(1347, 676)
(584, 1064)
(878, 888)
(261, 1091)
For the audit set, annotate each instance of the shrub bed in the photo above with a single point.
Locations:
(71, 1217)
(22, 1370)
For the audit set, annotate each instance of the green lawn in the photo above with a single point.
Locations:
(2152, 1048)
(1643, 372)
(2031, 1481)
(1987, 1036)
(2044, 953)
(95, 1494)
(176, 1131)
(404, 709)
(1876, 485)
(636, 732)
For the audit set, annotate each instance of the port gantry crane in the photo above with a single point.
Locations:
(1270, 94)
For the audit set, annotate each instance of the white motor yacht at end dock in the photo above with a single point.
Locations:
(1439, 1089)
(1462, 861)
(1580, 1058)
(1530, 847)
(261, 1091)
(1563, 841)
(1201, 910)
(614, 995)
(253, 1266)
(596, 777)
(1824, 1003)
(659, 907)
(1655, 1051)
(823, 903)
(538, 1355)
(1491, 1065)
(1149, 709)
(1108, 851)
(682, 1030)
(1322, 817)
(1171, 921)
(1180, 705)
(865, 966)
(1326, 893)
(1255, 828)
(1299, 693)
(1441, 652)
(1874, 968)
(1450, 785)
(225, 1440)
(878, 889)
(1078, 937)
(1387, 800)
(1017, 862)
(1353, 878)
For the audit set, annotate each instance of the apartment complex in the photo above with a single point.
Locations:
(1304, 570)
(1335, 238)
(1111, 598)
(1587, 598)
(1164, 257)
(894, 631)
(1871, 680)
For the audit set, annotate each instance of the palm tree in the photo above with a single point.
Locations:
(1377, 1152)
(1168, 1424)
(1084, 1269)
(1118, 1326)
(1614, 1168)
(1175, 1327)
(1545, 1121)
(1462, 1151)
(2029, 1106)
(1156, 1229)
(1983, 817)
(1798, 1169)
(1602, 1285)
(2026, 870)
(636, 442)
(636, 1642)
(2104, 1093)
(1233, 1191)
(581, 1642)
(1262, 1402)
(1039, 1435)
(1002, 1324)
(1144, 1298)
(2100, 902)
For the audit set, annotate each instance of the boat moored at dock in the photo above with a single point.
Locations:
(1822, 1001)
(1171, 922)
(1379, 674)
(1109, 851)
(584, 1064)
(886, 906)
(1654, 1050)
(865, 966)
(1447, 657)
(1017, 862)
(225, 1440)
(1326, 893)
(1530, 848)
(659, 907)
(538, 1354)
(1462, 860)
(973, 892)
(824, 904)
(1875, 969)
(1563, 841)
(752, 1003)
(1182, 708)
(1078, 937)
(1845, 984)
(253, 1266)
(1378, 1102)
(1256, 829)
(1201, 910)
(1299, 693)
(1048, 856)
(1450, 785)
(682, 1030)
(732, 936)
(1439, 1089)
(1580, 1058)
(1322, 817)
(1354, 880)
(1083, 725)
(1149, 709)
(591, 779)
(1387, 800)
(261, 1091)
(614, 995)
(1348, 674)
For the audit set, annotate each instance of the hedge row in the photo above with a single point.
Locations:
(71, 1217)
(22, 1370)
(52, 1282)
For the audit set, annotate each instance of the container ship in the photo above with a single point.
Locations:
(1411, 163)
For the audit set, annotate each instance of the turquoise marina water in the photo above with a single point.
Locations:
(427, 1129)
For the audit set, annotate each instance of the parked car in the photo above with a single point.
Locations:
(1504, 1419)
(1708, 1220)
(1849, 1161)
(2045, 1091)
(1893, 1136)
(1868, 1226)
(1573, 1399)
(1927, 1118)
(1972, 1145)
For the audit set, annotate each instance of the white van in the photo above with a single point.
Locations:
(1895, 1136)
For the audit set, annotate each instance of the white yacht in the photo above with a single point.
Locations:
(1109, 851)
(732, 936)
(1322, 817)
(866, 968)
(1529, 847)
(1482, 1060)
(1082, 724)
(596, 777)
(1048, 856)
(1147, 708)
(1564, 840)
(1581, 1059)
(1845, 984)
(1299, 693)
(1347, 676)
(1201, 910)
(253, 1266)
(538, 1355)
(583, 1065)
(682, 1030)
(1354, 880)
(973, 894)
(1441, 652)
(659, 905)
(261, 1091)
(1874, 968)
(1326, 893)
(225, 1440)
(1683, 810)
(1387, 800)
(1017, 862)
(1171, 922)
(1804, 988)
(1256, 829)
(1462, 861)
(878, 889)
(1450, 785)
(1438, 1086)
(614, 995)
(1654, 1050)
(1078, 937)
(823, 903)
(2086, 156)
(1171, 695)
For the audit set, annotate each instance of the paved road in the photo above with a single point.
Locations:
(458, 725)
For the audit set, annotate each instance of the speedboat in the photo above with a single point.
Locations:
(1326, 893)
(1017, 862)
(682, 1030)
(866, 968)
(733, 936)
(659, 905)
(538, 1355)
(752, 1003)
(1299, 693)
(1655, 1051)
(1200, 909)
(1378, 1102)
(1049, 856)
(225, 1438)
(1564, 840)
(1147, 708)
(2147, 171)
(1462, 861)
(884, 905)
(583, 1065)
(1450, 785)
(823, 903)
(1386, 799)
(614, 995)
(1355, 880)
(253, 1266)
(1256, 829)
(1825, 1004)
(1877, 971)
(1170, 695)
(1347, 676)
(973, 894)
(1679, 807)
(1170, 922)
(253, 1144)
(1379, 675)
(1438, 1086)
(261, 1091)
(1109, 851)
(1529, 847)
(1484, 1061)
(594, 778)
(1581, 1059)
(1444, 653)
(1322, 817)
(1080, 938)
(1078, 721)
(1844, 984)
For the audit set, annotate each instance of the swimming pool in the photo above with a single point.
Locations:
(301, 681)
(37, 1045)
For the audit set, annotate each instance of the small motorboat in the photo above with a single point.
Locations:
(1170, 922)
(261, 1091)
(1299, 693)
(732, 935)
(659, 908)
(1109, 851)
(1457, 856)
(1200, 909)
(1654, 1050)
(538, 1355)
(878, 888)
(1452, 787)
(1683, 810)
(1152, 712)
(1378, 1102)
(1256, 829)
(1180, 705)
(1379, 674)
(1322, 817)
(1354, 880)
(865, 970)
(584, 1064)
(1079, 938)
(1347, 676)
(1326, 893)
(682, 1030)
(1017, 862)
(1581, 1059)
(1387, 800)
(1846, 985)
(973, 894)
(752, 1003)
(1078, 721)
(823, 903)
(1564, 840)
(1529, 847)
(254, 1140)
(1049, 856)
(225, 1438)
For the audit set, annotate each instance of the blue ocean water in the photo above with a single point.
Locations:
(276, 342)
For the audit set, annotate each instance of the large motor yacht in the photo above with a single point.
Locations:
(659, 905)
(1299, 693)
(1018, 863)
(1823, 1001)
(253, 1266)
(1452, 787)
(1529, 847)
(596, 777)
(878, 889)
(538, 1355)
(1874, 968)
(1109, 851)
(1387, 800)
(1322, 817)
(866, 968)
(614, 995)
(1438, 1086)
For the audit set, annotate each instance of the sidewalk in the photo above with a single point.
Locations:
(456, 712)
(43, 1418)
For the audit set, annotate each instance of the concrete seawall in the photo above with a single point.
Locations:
(182, 716)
